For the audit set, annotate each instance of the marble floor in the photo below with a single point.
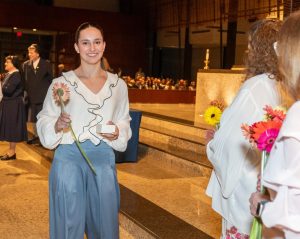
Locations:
(24, 198)
(24, 195)
(181, 195)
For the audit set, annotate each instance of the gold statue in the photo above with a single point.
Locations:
(206, 62)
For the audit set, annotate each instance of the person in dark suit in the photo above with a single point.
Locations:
(38, 77)
(12, 108)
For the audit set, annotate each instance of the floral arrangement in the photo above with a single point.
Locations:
(61, 95)
(262, 135)
(213, 113)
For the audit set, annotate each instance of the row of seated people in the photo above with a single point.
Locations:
(154, 83)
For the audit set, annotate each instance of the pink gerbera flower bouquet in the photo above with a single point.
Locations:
(262, 135)
(61, 95)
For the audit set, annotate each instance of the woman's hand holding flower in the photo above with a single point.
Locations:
(61, 96)
(209, 135)
(63, 122)
(255, 199)
(258, 184)
(112, 136)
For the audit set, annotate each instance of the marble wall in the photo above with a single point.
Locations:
(215, 85)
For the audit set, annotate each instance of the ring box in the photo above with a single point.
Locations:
(105, 128)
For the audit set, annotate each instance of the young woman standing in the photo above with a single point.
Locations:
(81, 201)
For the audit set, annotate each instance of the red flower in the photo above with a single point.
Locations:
(218, 104)
(247, 131)
(263, 134)
(275, 114)
(260, 127)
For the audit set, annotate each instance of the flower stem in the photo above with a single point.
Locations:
(62, 105)
(256, 230)
(74, 137)
(82, 152)
(264, 160)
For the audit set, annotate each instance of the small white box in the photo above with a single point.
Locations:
(105, 128)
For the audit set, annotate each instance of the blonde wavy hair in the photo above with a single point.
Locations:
(261, 56)
(288, 50)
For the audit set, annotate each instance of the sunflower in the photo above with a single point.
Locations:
(212, 115)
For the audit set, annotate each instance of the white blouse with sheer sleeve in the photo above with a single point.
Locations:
(86, 110)
(282, 174)
(235, 162)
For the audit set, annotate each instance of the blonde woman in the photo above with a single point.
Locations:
(282, 174)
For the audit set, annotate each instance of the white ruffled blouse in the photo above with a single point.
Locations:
(86, 110)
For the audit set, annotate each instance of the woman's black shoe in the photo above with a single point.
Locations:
(6, 157)
(34, 140)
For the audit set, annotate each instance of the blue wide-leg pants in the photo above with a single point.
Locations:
(81, 202)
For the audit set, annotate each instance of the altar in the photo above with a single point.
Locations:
(215, 84)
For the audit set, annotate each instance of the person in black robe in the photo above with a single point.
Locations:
(12, 108)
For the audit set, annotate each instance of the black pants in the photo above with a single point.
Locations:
(34, 110)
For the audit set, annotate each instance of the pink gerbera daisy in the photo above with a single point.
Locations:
(61, 92)
(267, 139)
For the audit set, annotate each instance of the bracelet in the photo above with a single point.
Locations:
(260, 208)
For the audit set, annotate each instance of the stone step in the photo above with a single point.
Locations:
(144, 219)
(181, 140)
(187, 150)
(168, 161)
(164, 197)
(173, 127)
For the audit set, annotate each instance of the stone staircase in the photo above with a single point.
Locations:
(168, 150)
(170, 139)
